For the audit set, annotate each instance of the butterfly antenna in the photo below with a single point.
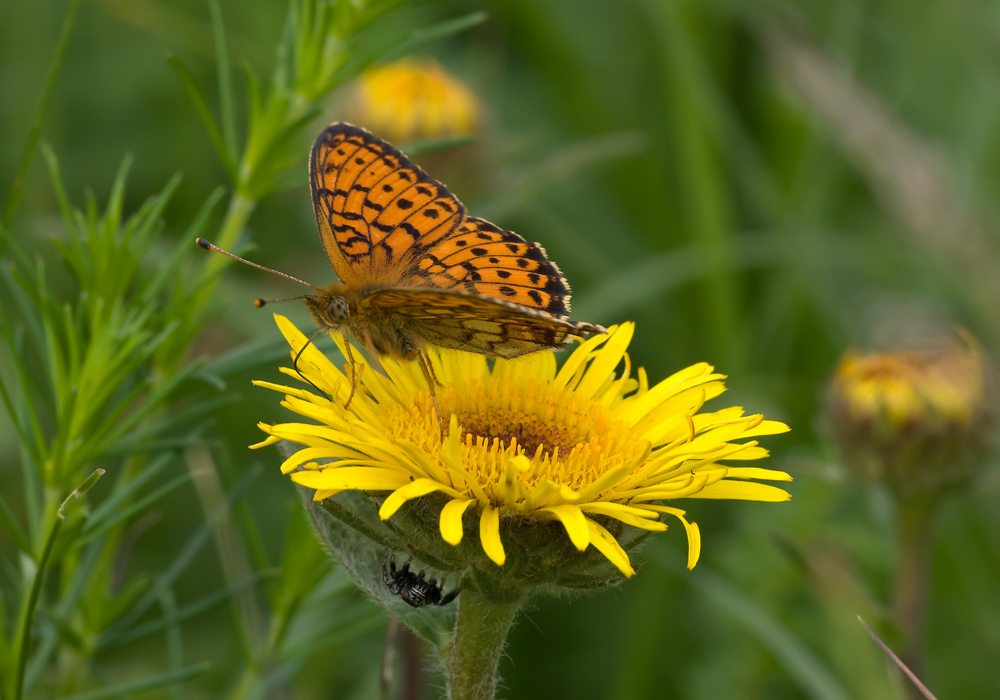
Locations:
(216, 249)
(260, 303)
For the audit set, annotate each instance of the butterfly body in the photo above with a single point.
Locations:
(415, 270)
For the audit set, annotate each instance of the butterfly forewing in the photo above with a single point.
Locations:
(375, 210)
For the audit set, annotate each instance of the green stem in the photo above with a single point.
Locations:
(53, 520)
(472, 657)
(914, 518)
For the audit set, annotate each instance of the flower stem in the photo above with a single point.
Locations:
(472, 657)
(914, 518)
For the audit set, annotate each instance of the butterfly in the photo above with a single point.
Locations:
(415, 269)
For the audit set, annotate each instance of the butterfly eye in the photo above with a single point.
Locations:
(337, 309)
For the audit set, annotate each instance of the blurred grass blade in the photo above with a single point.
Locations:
(802, 665)
(225, 80)
(421, 37)
(201, 107)
(150, 683)
(166, 271)
(31, 142)
(896, 660)
(60, 620)
(184, 558)
(123, 493)
(201, 606)
(12, 526)
(132, 509)
(561, 166)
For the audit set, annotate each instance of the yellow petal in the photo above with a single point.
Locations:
(451, 520)
(489, 533)
(269, 440)
(357, 478)
(414, 489)
(575, 523)
(743, 491)
(606, 360)
(768, 427)
(630, 516)
(757, 473)
(609, 547)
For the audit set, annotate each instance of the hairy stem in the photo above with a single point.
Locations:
(473, 656)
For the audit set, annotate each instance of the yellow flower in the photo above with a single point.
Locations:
(524, 441)
(412, 100)
(914, 419)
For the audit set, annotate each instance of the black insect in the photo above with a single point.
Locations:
(413, 588)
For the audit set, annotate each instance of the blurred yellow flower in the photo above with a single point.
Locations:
(412, 100)
(914, 418)
(523, 440)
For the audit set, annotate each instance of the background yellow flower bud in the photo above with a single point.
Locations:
(914, 419)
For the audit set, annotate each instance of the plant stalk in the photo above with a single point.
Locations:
(914, 520)
(473, 656)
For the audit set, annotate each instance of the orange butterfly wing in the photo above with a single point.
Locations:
(373, 207)
(480, 258)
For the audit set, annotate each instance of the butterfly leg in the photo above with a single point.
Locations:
(430, 366)
(354, 372)
(428, 370)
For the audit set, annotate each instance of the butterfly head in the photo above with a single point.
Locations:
(329, 310)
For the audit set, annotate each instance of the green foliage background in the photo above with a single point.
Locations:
(759, 185)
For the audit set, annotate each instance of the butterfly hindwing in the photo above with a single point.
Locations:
(455, 319)
(480, 258)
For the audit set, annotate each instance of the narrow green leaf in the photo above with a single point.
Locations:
(13, 527)
(125, 513)
(34, 133)
(225, 80)
(125, 490)
(187, 80)
(150, 683)
(59, 625)
(800, 663)
(167, 270)
(183, 559)
(210, 602)
(421, 37)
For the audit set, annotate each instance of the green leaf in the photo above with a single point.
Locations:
(225, 80)
(187, 80)
(149, 683)
(34, 133)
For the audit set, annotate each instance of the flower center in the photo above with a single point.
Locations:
(569, 440)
